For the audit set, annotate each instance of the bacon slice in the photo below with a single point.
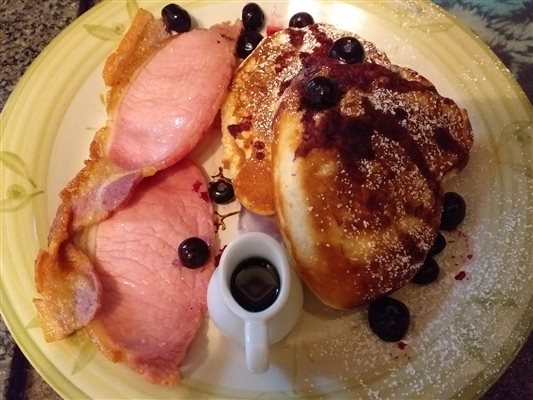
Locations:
(68, 282)
(188, 77)
(152, 306)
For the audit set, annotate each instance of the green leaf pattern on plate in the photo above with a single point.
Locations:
(87, 350)
(132, 7)
(494, 299)
(16, 195)
(34, 323)
(116, 31)
(79, 339)
(14, 163)
(104, 32)
(517, 135)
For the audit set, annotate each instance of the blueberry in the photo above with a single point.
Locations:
(253, 17)
(221, 191)
(428, 272)
(248, 41)
(321, 92)
(453, 211)
(347, 49)
(388, 318)
(176, 18)
(438, 245)
(300, 20)
(193, 252)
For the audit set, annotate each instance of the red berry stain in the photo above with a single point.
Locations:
(469, 256)
(271, 29)
(460, 276)
(402, 345)
(203, 195)
(259, 144)
(196, 186)
(219, 255)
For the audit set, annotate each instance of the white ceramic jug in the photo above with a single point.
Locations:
(255, 330)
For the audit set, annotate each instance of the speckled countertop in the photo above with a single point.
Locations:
(27, 26)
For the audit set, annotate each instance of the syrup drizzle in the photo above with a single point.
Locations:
(219, 220)
(220, 175)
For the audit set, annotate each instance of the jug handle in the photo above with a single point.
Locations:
(256, 345)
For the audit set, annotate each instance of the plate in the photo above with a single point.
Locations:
(465, 328)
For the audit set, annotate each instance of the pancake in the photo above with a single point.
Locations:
(357, 186)
(248, 111)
